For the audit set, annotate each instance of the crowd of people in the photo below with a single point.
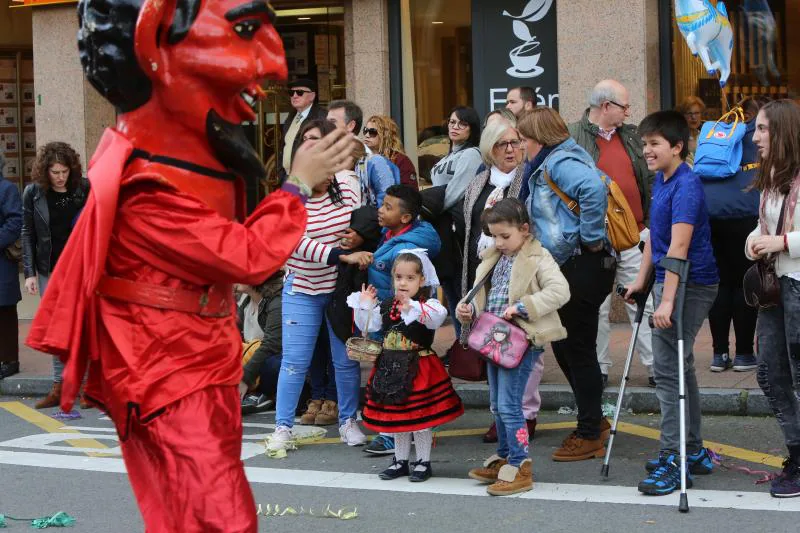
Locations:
(517, 211)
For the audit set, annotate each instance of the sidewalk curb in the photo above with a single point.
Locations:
(741, 402)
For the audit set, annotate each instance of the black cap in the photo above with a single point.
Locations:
(303, 82)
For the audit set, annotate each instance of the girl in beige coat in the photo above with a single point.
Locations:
(526, 288)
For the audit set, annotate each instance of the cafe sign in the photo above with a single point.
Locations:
(514, 44)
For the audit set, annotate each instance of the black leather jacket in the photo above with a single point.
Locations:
(36, 244)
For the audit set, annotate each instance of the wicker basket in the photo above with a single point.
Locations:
(362, 349)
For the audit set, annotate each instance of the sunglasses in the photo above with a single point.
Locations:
(298, 92)
(370, 132)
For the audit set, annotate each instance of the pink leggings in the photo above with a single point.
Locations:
(531, 400)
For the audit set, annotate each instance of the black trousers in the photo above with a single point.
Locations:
(9, 332)
(590, 278)
(727, 238)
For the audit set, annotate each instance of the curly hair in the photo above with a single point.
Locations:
(388, 135)
(106, 47)
(49, 155)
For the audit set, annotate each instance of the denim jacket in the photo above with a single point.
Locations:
(559, 230)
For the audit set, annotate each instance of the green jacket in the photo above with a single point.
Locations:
(584, 133)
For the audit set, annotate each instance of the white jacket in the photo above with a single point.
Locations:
(788, 263)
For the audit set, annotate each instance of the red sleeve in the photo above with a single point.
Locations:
(180, 235)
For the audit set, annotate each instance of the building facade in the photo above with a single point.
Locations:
(416, 59)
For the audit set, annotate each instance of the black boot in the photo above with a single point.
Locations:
(9, 369)
(421, 475)
(398, 469)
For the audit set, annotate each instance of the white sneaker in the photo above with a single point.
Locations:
(281, 439)
(351, 433)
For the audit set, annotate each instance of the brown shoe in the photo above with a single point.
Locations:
(488, 472)
(605, 429)
(52, 399)
(575, 448)
(491, 435)
(512, 480)
(328, 414)
(85, 403)
(312, 410)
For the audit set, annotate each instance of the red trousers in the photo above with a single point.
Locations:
(185, 466)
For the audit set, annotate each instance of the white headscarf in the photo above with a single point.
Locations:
(428, 270)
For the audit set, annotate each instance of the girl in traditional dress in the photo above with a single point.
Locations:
(409, 390)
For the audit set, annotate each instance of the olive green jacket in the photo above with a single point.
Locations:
(584, 133)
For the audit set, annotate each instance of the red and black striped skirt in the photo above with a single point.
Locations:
(432, 402)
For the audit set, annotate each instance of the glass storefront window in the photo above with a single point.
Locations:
(765, 58)
(438, 39)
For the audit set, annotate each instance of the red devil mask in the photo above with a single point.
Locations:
(194, 65)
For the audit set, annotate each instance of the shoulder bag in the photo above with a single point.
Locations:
(496, 340)
(762, 288)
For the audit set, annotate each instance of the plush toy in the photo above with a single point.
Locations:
(708, 33)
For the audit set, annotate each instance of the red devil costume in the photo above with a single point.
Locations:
(142, 296)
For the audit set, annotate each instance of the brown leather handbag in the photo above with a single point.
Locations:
(762, 288)
(14, 252)
(466, 363)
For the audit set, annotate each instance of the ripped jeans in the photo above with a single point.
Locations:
(778, 337)
(302, 316)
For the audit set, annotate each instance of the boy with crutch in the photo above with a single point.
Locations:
(680, 232)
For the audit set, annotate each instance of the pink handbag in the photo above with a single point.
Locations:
(498, 341)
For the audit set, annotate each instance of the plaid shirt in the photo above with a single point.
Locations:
(497, 300)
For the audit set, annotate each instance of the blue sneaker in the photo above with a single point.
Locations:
(721, 362)
(787, 484)
(381, 445)
(743, 363)
(699, 464)
(666, 478)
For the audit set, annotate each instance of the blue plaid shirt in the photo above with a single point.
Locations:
(497, 299)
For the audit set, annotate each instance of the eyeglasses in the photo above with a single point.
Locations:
(458, 124)
(298, 92)
(370, 132)
(623, 107)
(503, 145)
(310, 138)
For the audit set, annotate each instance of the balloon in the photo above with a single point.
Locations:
(708, 33)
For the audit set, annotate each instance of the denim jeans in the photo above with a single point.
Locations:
(58, 366)
(698, 302)
(506, 387)
(452, 293)
(322, 373)
(778, 373)
(302, 316)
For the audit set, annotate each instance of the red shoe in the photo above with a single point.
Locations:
(491, 435)
(531, 428)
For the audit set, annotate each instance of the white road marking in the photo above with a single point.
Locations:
(718, 499)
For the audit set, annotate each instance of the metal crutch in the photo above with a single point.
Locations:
(641, 302)
(680, 267)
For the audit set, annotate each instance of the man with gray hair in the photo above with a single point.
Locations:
(617, 151)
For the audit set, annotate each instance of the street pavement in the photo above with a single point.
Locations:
(47, 465)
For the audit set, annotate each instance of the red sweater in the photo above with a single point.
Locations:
(614, 161)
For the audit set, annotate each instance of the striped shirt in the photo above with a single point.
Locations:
(313, 275)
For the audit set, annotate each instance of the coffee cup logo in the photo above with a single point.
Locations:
(525, 57)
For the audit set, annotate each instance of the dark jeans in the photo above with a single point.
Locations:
(321, 371)
(779, 359)
(589, 283)
(9, 332)
(728, 237)
(270, 370)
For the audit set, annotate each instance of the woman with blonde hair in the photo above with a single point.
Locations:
(575, 235)
(382, 136)
(692, 109)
